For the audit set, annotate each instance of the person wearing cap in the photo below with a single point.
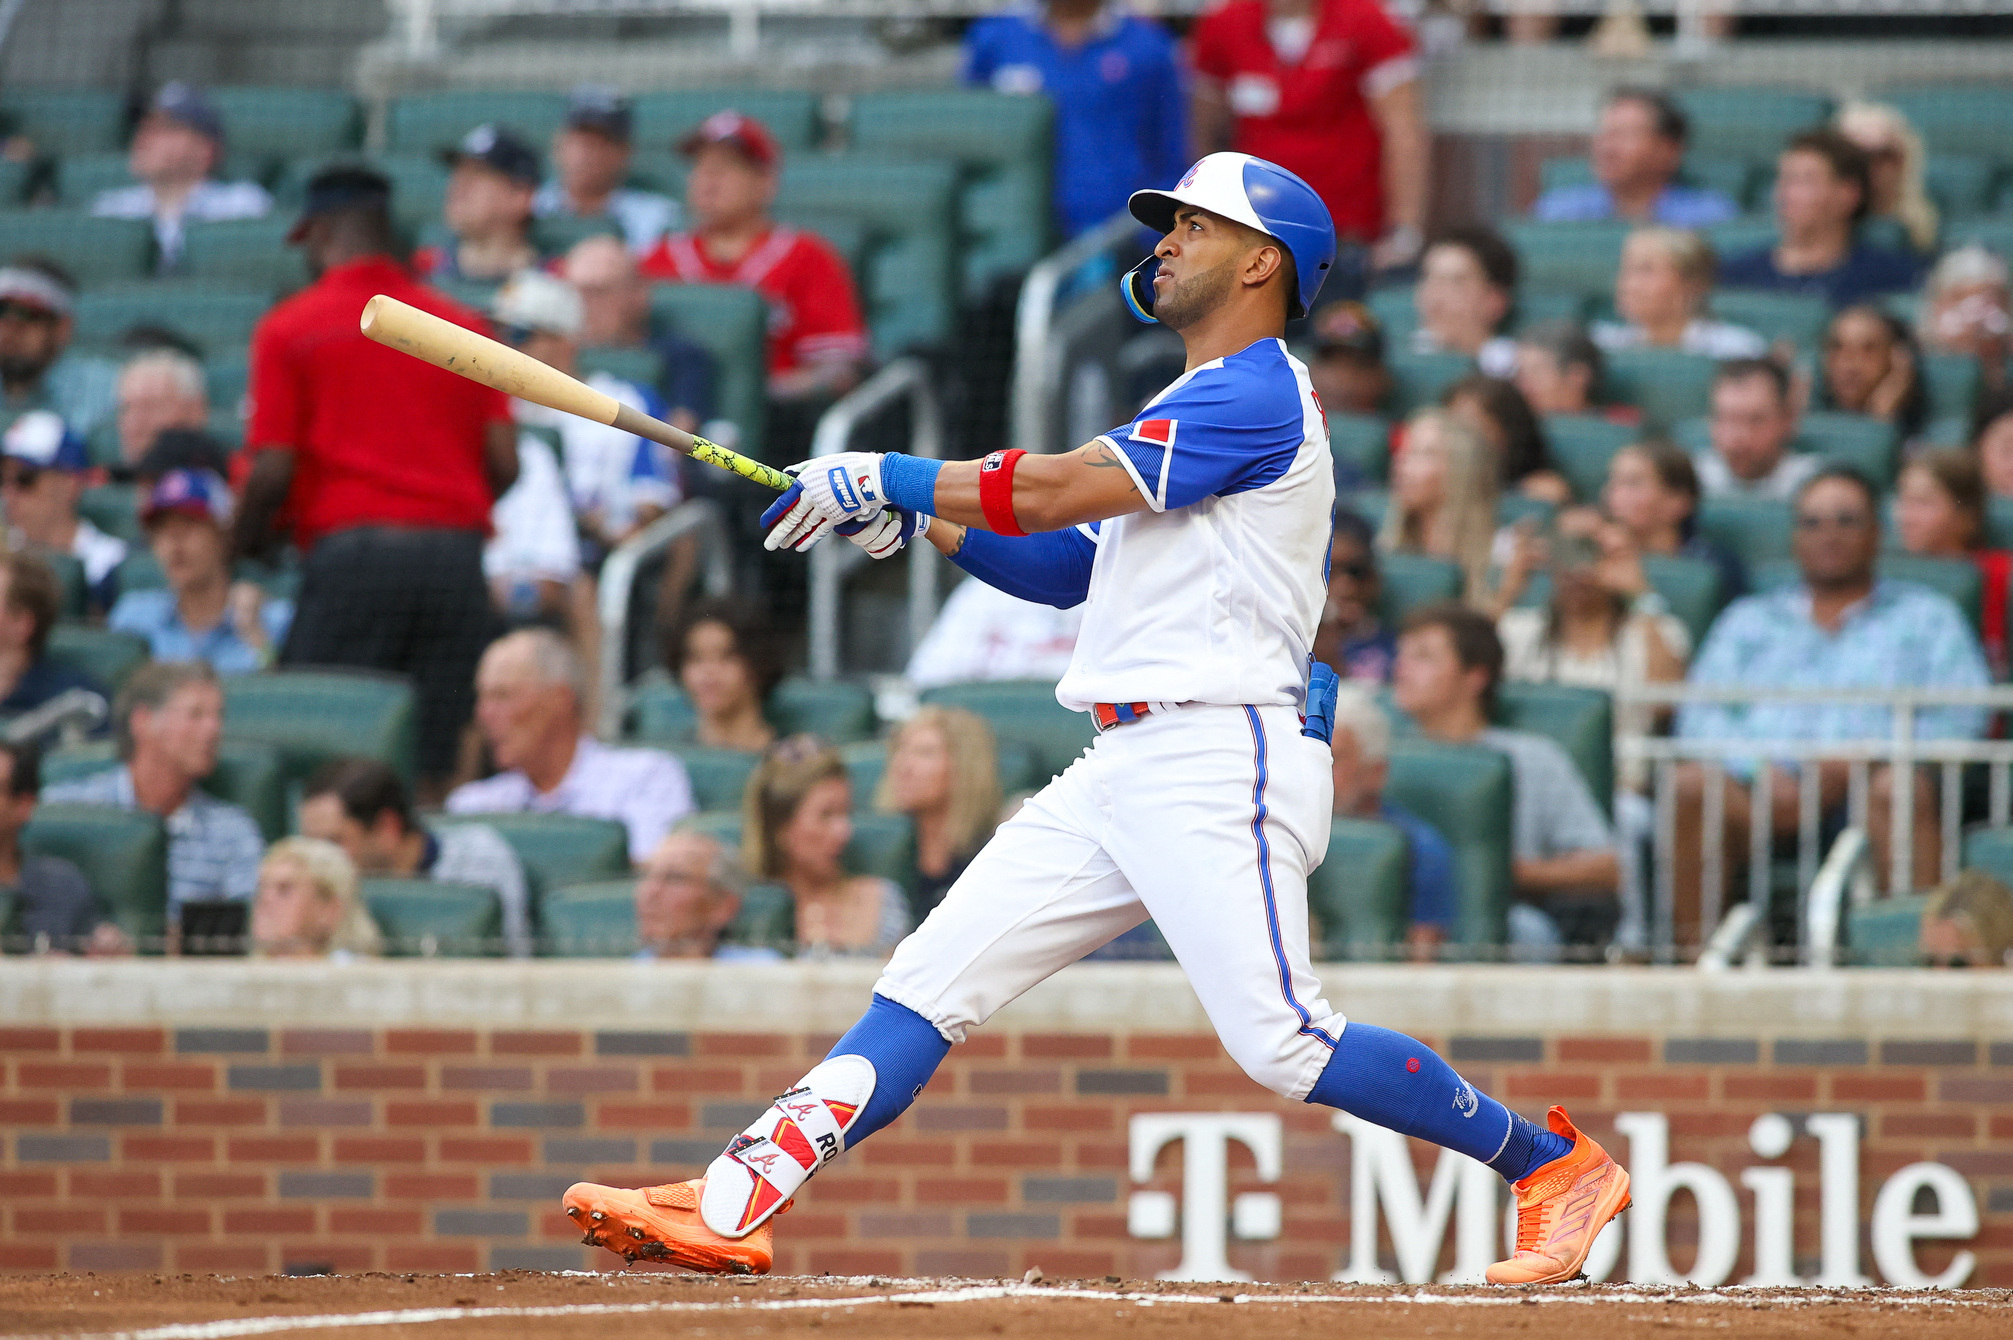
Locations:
(615, 314)
(817, 339)
(1348, 370)
(533, 557)
(177, 146)
(1121, 116)
(38, 304)
(619, 482)
(383, 466)
(1328, 89)
(43, 469)
(590, 161)
(487, 210)
(202, 615)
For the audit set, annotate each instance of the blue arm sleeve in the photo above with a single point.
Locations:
(1052, 568)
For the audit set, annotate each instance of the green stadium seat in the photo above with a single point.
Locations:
(123, 854)
(1796, 317)
(641, 366)
(1690, 586)
(1999, 522)
(1360, 895)
(1361, 442)
(69, 570)
(1002, 144)
(719, 776)
(1392, 306)
(212, 317)
(1753, 530)
(1990, 850)
(592, 920)
(556, 234)
(1957, 118)
(1952, 383)
(313, 716)
(80, 178)
(139, 571)
(94, 250)
(1024, 711)
(422, 123)
(1581, 445)
(1538, 306)
(866, 760)
(1956, 578)
(99, 654)
(428, 918)
(1731, 177)
(1418, 379)
(1669, 386)
(67, 120)
(1885, 933)
(1411, 580)
(1886, 233)
(659, 712)
(251, 253)
(1581, 720)
(1994, 234)
(1749, 121)
(279, 122)
(1464, 792)
(1575, 257)
(1736, 236)
(732, 324)
(248, 775)
(14, 180)
(835, 710)
(910, 285)
(1870, 446)
(1512, 508)
(662, 119)
(556, 849)
(1959, 183)
(768, 917)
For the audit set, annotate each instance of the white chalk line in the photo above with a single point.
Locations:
(414, 1316)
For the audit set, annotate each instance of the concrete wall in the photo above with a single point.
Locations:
(243, 1117)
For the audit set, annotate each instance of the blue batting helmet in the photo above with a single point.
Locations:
(1255, 193)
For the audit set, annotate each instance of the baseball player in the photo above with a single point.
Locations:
(1196, 538)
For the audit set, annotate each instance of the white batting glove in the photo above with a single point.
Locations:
(888, 532)
(845, 487)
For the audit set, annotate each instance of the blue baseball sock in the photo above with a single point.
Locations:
(906, 1050)
(1391, 1079)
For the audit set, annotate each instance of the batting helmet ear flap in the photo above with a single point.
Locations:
(1138, 290)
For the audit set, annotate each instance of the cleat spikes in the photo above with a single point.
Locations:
(597, 1216)
(636, 1233)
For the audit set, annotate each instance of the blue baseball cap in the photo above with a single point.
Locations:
(186, 105)
(498, 148)
(197, 493)
(40, 438)
(1255, 193)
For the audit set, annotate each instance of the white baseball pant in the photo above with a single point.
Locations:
(1205, 818)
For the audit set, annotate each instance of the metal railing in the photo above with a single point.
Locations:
(905, 378)
(1903, 751)
(696, 517)
(1044, 337)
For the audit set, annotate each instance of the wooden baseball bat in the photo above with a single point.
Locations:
(401, 326)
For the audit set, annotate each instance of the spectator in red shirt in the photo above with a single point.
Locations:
(1328, 89)
(488, 209)
(386, 468)
(817, 341)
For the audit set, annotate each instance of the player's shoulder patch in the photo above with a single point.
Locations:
(1160, 432)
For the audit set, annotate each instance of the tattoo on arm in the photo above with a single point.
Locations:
(1101, 457)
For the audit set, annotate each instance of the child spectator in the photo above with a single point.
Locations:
(725, 658)
(487, 210)
(1660, 294)
(943, 772)
(1351, 639)
(307, 905)
(1467, 284)
(1871, 368)
(796, 822)
(1939, 511)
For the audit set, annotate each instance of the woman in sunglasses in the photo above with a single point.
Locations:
(1352, 640)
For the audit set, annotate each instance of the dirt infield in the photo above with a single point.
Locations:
(524, 1305)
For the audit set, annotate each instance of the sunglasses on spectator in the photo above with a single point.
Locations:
(1835, 521)
(20, 476)
(21, 311)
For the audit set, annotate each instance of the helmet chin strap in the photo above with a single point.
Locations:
(1138, 291)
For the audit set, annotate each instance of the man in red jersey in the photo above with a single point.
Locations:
(1328, 89)
(817, 341)
(384, 466)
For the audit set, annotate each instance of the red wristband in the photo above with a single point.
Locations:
(996, 491)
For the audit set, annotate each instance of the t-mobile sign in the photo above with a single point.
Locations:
(1468, 1198)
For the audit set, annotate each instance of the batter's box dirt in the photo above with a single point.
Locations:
(523, 1305)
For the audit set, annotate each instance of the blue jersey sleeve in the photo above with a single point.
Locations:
(1227, 429)
(981, 51)
(1049, 568)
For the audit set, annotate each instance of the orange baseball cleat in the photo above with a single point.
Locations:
(1561, 1209)
(662, 1223)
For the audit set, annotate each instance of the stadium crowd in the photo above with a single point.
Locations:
(1698, 466)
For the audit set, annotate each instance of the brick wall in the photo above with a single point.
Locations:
(248, 1149)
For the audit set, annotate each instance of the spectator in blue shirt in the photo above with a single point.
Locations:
(1840, 628)
(1361, 747)
(1823, 186)
(1120, 112)
(202, 615)
(1636, 151)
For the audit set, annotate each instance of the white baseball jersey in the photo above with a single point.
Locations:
(1214, 595)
